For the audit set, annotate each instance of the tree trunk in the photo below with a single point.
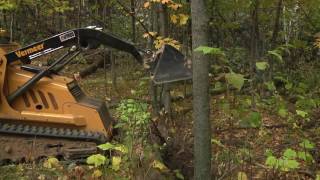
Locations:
(165, 96)
(254, 47)
(201, 103)
(274, 37)
(133, 21)
(276, 24)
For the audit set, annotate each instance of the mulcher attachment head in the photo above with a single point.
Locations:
(170, 65)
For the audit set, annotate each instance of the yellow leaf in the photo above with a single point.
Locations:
(158, 43)
(121, 148)
(153, 33)
(145, 35)
(174, 19)
(148, 34)
(165, 1)
(41, 177)
(116, 160)
(167, 40)
(175, 6)
(159, 165)
(242, 176)
(146, 5)
(51, 163)
(96, 174)
(183, 19)
(159, 38)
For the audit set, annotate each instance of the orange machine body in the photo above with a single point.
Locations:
(55, 100)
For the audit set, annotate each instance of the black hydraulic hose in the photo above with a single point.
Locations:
(25, 87)
(62, 65)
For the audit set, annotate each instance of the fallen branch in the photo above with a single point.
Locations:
(94, 66)
(253, 128)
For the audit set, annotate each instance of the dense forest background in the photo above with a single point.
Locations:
(263, 79)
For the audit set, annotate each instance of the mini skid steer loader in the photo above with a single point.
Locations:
(46, 114)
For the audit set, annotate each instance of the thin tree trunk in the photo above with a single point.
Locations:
(133, 21)
(254, 49)
(275, 36)
(201, 103)
(276, 24)
(11, 27)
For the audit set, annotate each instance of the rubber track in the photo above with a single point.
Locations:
(43, 131)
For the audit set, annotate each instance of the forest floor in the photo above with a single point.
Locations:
(247, 143)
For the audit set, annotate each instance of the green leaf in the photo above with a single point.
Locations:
(268, 152)
(262, 65)
(301, 113)
(178, 174)
(282, 112)
(292, 164)
(106, 146)
(122, 148)
(290, 154)
(116, 160)
(253, 119)
(209, 50)
(276, 54)
(96, 160)
(271, 161)
(305, 156)
(270, 86)
(307, 144)
(217, 142)
(236, 80)
(288, 86)
(5, 5)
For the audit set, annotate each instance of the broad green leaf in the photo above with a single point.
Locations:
(301, 113)
(292, 164)
(307, 144)
(306, 156)
(262, 65)
(271, 161)
(116, 160)
(290, 154)
(242, 176)
(236, 80)
(96, 160)
(106, 146)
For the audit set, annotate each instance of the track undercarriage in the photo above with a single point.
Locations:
(25, 143)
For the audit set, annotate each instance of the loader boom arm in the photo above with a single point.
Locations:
(83, 37)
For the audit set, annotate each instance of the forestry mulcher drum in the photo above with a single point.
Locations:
(43, 113)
